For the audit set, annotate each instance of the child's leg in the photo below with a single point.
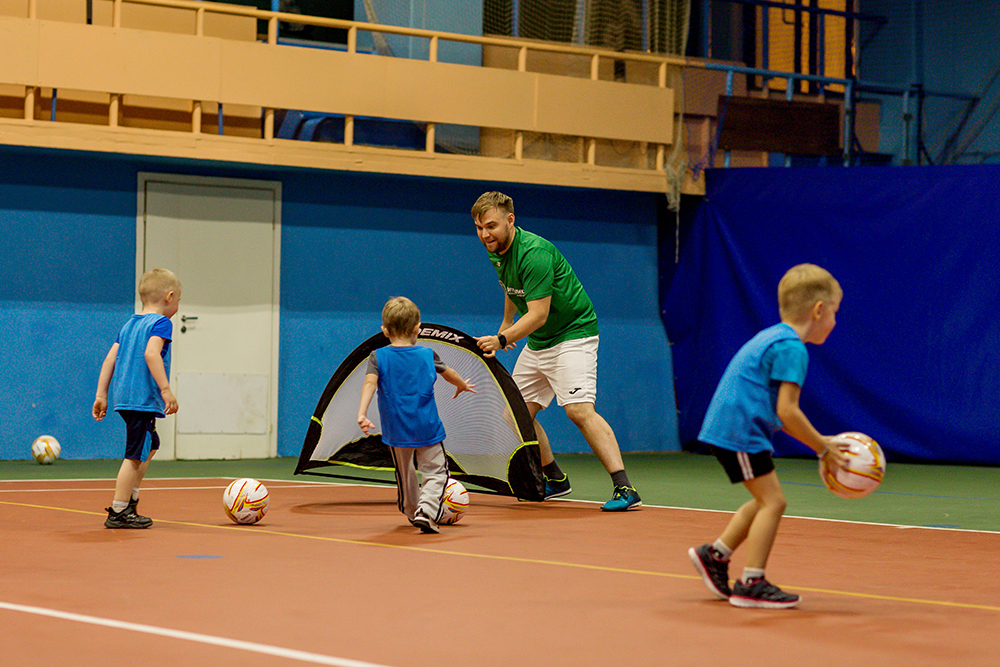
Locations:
(127, 478)
(433, 466)
(770, 501)
(406, 480)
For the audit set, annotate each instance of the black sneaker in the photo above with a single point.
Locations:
(557, 488)
(714, 571)
(424, 524)
(132, 504)
(126, 519)
(762, 594)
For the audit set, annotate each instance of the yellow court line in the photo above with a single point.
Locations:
(518, 559)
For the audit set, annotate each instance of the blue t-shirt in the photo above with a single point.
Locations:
(132, 385)
(743, 413)
(406, 406)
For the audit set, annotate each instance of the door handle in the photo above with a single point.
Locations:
(185, 318)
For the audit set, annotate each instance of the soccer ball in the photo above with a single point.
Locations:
(864, 470)
(245, 501)
(455, 503)
(45, 449)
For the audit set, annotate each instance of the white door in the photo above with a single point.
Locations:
(222, 239)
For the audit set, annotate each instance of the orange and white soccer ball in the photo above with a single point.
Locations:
(245, 501)
(455, 503)
(45, 449)
(865, 467)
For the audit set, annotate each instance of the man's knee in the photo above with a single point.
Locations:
(579, 413)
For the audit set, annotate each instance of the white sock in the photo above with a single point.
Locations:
(723, 549)
(135, 493)
(117, 506)
(752, 573)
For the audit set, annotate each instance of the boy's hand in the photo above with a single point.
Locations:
(365, 424)
(834, 455)
(169, 400)
(100, 408)
(466, 386)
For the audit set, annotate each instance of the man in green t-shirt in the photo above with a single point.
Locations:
(560, 359)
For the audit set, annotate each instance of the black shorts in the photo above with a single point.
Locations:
(742, 466)
(140, 434)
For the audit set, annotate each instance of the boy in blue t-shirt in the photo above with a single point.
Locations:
(137, 368)
(404, 374)
(757, 396)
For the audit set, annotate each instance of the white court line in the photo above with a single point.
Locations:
(291, 654)
(146, 489)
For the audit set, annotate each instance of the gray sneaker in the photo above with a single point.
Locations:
(714, 572)
(762, 594)
(424, 524)
(126, 519)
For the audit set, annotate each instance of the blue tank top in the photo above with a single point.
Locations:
(406, 406)
(743, 413)
(132, 385)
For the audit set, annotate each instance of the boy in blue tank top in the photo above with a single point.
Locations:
(404, 373)
(137, 369)
(757, 396)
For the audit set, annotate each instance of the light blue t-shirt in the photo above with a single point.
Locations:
(132, 385)
(743, 413)
(406, 405)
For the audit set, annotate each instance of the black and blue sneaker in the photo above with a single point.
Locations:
(624, 498)
(761, 594)
(556, 488)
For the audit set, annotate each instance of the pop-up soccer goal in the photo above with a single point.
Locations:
(490, 439)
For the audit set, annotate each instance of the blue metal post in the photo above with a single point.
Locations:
(727, 159)
(706, 28)
(54, 94)
(645, 25)
(580, 22)
(848, 113)
(220, 118)
(789, 92)
(515, 20)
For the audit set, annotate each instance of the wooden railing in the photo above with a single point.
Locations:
(120, 61)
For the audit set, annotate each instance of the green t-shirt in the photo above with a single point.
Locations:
(532, 268)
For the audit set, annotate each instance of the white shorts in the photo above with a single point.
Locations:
(567, 371)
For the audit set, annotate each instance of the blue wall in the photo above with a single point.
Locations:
(349, 241)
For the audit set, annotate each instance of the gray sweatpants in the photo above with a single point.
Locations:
(433, 466)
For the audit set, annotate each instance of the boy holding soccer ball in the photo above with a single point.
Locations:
(404, 374)
(758, 395)
(138, 364)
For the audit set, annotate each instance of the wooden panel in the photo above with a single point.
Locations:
(128, 61)
(18, 51)
(778, 126)
(588, 108)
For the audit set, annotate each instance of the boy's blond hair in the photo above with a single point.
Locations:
(400, 316)
(801, 287)
(155, 284)
(489, 200)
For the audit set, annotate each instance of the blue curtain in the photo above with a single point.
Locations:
(915, 358)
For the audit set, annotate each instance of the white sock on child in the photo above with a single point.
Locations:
(118, 505)
(752, 573)
(723, 549)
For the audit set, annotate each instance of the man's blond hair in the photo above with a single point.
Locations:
(802, 286)
(155, 284)
(491, 200)
(400, 316)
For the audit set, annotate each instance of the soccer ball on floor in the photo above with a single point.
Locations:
(455, 503)
(864, 470)
(245, 501)
(45, 449)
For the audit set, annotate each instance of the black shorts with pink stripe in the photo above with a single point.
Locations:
(741, 466)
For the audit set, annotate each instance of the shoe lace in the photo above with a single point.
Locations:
(622, 492)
